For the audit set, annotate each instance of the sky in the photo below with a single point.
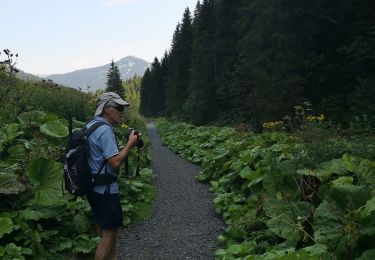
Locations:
(59, 36)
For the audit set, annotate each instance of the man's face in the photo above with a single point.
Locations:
(114, 113)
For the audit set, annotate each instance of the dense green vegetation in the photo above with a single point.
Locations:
(306, 195)
(114, 83)
(37, 218)
(17, 96)
(251, 61)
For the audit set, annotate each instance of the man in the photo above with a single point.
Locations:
(106, 158)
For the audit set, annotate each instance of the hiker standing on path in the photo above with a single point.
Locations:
(105, 160)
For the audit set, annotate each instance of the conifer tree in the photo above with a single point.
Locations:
(157, 89)
(201, 103)
(146, 93)
(226, 50)
(114, 83)
(252, 61)
(179, 62)
(170, 82)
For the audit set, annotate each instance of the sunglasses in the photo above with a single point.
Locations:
(118, 108)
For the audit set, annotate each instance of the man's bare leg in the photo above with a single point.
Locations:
(107, 248)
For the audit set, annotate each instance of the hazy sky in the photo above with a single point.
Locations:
(58, 36)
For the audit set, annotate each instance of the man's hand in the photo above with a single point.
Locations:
(133, 138)
(116, 160)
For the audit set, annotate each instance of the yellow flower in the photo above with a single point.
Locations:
(272, 124)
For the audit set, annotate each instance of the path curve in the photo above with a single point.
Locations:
(183, 224)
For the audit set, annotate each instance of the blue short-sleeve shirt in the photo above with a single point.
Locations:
(103, 145)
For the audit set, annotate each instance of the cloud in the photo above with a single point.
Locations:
(120, 2)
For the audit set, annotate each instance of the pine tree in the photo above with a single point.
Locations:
(201, 103)
(157, 89)
(226, 50)
(146, 93)
(114, 83)
(179, 62)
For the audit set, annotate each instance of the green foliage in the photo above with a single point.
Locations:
(132, 89)
(251, 61)
(57, 128)
(10, 184)
(19, 96)
(6, 225)
(37, 220)
(45, 175)
(114, 83)
(278, 203)
(152, 90)
(177, 67)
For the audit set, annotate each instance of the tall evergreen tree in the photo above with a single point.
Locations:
(252, 61)
(114, 83)
(170, 87)
(157, 89)
(179, 62)
(268, 80)
(226, 49)
(146, 93)
(164, 75)
(201, 103)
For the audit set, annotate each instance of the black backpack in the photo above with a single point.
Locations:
(77, 174)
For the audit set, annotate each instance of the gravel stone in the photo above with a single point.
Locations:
(183, 224)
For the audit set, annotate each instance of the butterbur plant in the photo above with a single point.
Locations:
(279, 200)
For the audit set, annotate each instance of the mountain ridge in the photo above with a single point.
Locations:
(96, 77)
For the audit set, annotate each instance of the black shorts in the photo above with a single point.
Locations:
(106, 209)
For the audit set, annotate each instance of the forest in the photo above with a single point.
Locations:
(252, 62)
(273, 99)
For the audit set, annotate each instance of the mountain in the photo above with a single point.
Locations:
(27, 76)
(96, 77)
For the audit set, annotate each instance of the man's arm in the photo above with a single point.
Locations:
(116, 160)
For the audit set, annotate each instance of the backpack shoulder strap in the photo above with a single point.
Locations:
(93, 127)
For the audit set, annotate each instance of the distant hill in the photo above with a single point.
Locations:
(27, 76)
(96, 77)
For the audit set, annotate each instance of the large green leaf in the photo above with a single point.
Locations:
(46, 177)
(274, 254)
(335, 229)
(287, 218)
(326, 170)
(84, 244)
(6, 226)
(363, 168)
(56, 128)
(35, 118)
(346, 194)
(366, 210)
(8, 133)
(63, 244)
(9, 184)
(16, 153)
(6, 167)
(30, 214)
(81, 223)
(367, 255)
(315, 252)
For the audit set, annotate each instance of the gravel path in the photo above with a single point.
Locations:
(184, 224)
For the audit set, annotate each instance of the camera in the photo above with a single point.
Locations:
(139, 143)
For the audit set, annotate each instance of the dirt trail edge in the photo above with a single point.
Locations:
(183, 224)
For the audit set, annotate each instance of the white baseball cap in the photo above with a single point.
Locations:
(105, 98)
